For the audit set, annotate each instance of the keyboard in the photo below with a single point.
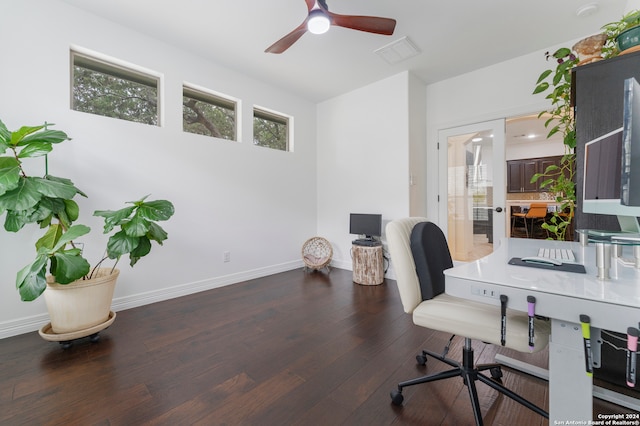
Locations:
(563, 255)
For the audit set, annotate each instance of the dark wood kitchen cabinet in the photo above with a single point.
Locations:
(520, 172)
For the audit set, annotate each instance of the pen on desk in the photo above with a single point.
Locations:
(632, 347)
(586, 336)
(503, 313)
(531, 304)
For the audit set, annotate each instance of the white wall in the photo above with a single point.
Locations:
(418, 171)
(534, 149)
(257, 203)
(363, 158)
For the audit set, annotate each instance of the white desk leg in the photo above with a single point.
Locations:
(570, 389)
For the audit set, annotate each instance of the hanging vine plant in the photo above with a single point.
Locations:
(559, 179)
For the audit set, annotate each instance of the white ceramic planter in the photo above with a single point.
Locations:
(82, 304)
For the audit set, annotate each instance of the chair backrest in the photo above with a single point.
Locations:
(398, 233)
(431, 255)
(537, 210)
(405, 266)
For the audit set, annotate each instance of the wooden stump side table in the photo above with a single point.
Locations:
(367, 264)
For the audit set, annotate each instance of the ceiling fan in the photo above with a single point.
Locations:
(320, 19)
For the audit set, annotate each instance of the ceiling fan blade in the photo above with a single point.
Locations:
(287, 41)
(371, 24)
(310, 4)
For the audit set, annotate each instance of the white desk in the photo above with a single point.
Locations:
(562, 296)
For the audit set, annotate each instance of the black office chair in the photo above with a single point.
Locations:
(420, 254)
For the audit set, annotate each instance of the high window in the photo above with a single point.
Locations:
(271, 129)
(113, 90)
(206, 113)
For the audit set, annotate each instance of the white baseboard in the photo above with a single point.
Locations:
(22, 325)
(34, 323)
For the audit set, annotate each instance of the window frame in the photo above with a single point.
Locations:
(277, 117)
(214, 98)
(119, 69)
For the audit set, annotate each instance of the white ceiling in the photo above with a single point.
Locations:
(453, 36)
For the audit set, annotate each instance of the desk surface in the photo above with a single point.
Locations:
(563, 295)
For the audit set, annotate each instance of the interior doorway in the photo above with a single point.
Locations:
(473, 182)
(478, 190)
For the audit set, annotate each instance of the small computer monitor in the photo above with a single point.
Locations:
(369, 225)
(609, 169)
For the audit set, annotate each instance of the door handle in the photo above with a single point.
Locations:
(499, 209)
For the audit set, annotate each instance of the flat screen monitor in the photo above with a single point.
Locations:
(607, 175)
(369, 225)
(602, 161)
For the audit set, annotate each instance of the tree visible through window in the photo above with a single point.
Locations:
(270, 129)
(207, 114)
(113, 91)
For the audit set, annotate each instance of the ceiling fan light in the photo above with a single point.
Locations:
(318, 22)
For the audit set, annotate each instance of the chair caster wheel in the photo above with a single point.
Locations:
(94, 337)
(421, 359)
(496, 374)
(396, 397)
(66, 344)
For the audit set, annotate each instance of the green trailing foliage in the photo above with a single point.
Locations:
(559, 180)
(48, 202)
(613, 29)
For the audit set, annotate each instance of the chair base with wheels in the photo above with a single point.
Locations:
(470, 374)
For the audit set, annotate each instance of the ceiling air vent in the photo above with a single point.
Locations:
(398, 51)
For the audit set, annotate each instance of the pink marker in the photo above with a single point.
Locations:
(531, 304)
(632, 347)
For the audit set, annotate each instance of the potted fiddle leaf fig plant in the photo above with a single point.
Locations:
(59, 265)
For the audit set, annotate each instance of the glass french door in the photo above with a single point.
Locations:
(472, 188)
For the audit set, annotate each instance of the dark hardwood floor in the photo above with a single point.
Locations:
(290, 349)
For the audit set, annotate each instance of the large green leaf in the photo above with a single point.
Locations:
(20, 134)
(35, 149)
(72, 210)
(120, 243)
(31, 280)
(9, 174)
(156, 233)
(156, 210)
(54, 189)
(66, 182)
(55, 205)
(40, 213)
(72, 233)
(114, 218)
(46, 136)
(23, 197)
(136, 227)
(69, 266)
(16, 219)
(46, 209)
(50, 238)
(143, 249)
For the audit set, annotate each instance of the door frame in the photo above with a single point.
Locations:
(497, 127)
